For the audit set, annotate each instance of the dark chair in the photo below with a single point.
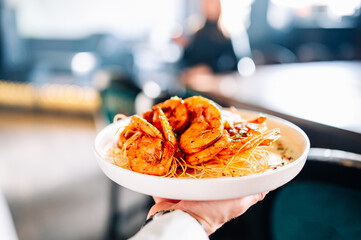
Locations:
(323, 202)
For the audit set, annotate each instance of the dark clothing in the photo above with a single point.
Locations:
(209, 46)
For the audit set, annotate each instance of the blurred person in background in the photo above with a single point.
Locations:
(210, 49)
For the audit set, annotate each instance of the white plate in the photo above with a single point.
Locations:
(206, 189)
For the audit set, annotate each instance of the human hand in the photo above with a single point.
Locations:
(211, 214)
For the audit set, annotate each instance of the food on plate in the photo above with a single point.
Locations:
(206, 125)
(146, 149)
(194, 138)
(176, 113)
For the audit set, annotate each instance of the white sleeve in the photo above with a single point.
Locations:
(175, 225)
(7, 229)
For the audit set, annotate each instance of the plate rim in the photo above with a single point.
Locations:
(223, 179)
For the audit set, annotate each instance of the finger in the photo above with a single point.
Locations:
(262, 196)
(159, 200)
(252, 199)
(243, 203)
(160, 206)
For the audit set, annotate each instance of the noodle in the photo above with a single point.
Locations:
(251, 161)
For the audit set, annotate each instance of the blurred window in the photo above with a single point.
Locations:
(79, 18)
(283, 14)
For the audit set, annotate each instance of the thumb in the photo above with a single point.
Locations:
(159, 199)
(160, 206)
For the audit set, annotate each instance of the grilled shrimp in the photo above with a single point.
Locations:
(150, 155)
(176, 112)
(209, 152)
(206, 126)
(165, 126)
(241, 145)
(143, 125)
(149, 150)
(247, 134)
(138, 123)
(148, 115)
